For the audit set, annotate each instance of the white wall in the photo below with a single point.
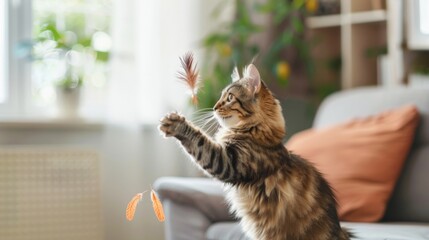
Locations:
(131, 160)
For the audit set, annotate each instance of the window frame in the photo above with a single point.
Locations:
(17, 70)
(416, 40)
(4, 54)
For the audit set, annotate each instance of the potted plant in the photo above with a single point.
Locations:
(70, 55)
(419, 76)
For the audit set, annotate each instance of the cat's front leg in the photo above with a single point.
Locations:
(175, 125)
(191, 138)
(217, 160)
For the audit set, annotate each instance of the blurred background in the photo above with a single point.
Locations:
(84, 83)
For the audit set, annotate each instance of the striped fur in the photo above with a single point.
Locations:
(275, 193)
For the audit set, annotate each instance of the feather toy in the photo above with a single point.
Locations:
(132, 205)
(156, 204)
(189, 75)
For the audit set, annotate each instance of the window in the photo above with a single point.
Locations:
(14, 77)
(47, 43)
(3, 54)
(51, 41)
(424, 18)
(417, 29)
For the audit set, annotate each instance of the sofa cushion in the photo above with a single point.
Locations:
(363, 231)
(226, 231)
(361, 159)
(410, 197)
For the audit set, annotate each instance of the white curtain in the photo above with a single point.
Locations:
(149, 36)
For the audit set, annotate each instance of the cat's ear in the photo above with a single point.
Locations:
(235, 75)
(251, 73)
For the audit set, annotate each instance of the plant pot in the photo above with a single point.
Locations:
(68, 101)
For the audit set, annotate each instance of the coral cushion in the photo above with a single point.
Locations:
(361, 159)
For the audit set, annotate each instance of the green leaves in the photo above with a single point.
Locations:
(215, 38)
(234, 45)
(71, 81)
(73, 42)
(102, 56)
(297, 4)
(297, 25)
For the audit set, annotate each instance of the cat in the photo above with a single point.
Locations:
(275, 193)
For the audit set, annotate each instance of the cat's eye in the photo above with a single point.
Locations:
(230, 97)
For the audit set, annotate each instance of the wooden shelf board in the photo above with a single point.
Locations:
(353, 18)
(324, 21)
(368, 16)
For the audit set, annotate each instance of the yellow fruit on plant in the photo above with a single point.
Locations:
(224, 49)
(283, 70)
(312, 5)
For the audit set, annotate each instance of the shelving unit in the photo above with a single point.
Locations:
(338, 19)
(359, 28)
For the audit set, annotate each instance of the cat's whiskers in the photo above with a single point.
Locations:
(214, 126)
(202, 111)
(202, 115)
(206, 120)
(202, 120)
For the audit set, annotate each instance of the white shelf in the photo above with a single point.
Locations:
(342, 19)
(361, 25)
(368, 17)
(324, 21)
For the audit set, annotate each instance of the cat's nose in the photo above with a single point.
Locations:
(216, 107)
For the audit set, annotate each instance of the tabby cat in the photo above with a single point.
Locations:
(275, 193)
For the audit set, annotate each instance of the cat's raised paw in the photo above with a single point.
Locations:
(171, 124)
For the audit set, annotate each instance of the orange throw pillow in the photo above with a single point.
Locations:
(361, 159)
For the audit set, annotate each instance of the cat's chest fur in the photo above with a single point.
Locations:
(253, 208)
(272, 202)
(267, 196)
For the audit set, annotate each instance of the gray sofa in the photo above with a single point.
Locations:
(196, 209)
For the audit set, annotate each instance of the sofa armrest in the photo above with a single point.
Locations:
(204, 194)
(191, 205)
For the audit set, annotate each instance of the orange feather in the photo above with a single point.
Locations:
(157, 206)
(132, 205)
